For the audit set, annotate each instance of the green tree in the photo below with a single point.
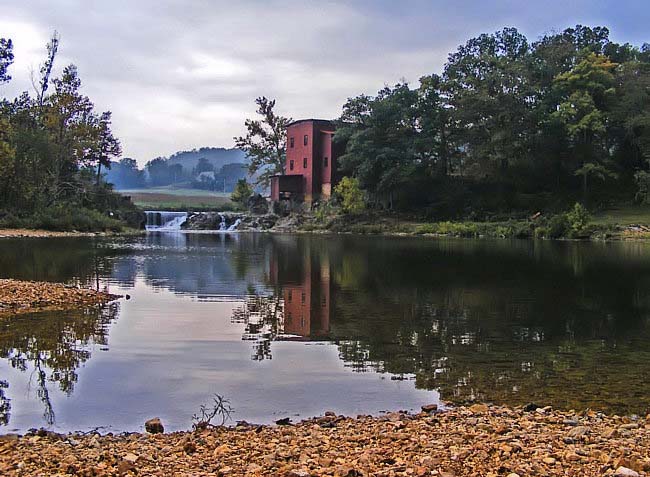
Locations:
(52, 151)
(381, 140)
(104, 145)
(242, 192)
(6, 59)
(489, 85)
(351, 195)
(586, 90)
(265, 142)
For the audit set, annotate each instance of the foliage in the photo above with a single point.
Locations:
(508, 124)
(458, 229)
(558, 226)
(351, 195)
(243, 191)
(65, 219)
(265, 142)
(52, 151)
(578, 218)
(6, 58)
(643, 185)
(220, 408)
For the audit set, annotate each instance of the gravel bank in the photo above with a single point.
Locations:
(474, 441)
(17, 296)
(26, 233)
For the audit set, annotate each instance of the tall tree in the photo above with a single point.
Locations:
(70, 121)
(43, 83)
(586, 90)
(6, 59)
(265, 142)
(381, 140)
(488, 82)
(104, 145)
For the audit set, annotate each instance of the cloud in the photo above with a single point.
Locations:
(184, 74)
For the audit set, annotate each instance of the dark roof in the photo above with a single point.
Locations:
(310, 119)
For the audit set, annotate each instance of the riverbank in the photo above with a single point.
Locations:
(17, 296)
(577, 224)
(27, 233)
(478, 440)
(394, 225)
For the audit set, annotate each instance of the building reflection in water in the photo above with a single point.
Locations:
(299, 307)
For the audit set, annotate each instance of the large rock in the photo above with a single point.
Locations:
(625, 472)
(257, 204)
(154, 426)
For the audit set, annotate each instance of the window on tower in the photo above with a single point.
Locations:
(305, 140)
(290, 142)
(291, 165)
(324, 162)
(304, 163)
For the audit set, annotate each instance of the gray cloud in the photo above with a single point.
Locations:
(184, 74)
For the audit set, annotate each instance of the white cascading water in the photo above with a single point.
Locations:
(234, 226)
(162, 221)
(222, 225)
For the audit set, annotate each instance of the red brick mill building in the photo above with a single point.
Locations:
(310, 172)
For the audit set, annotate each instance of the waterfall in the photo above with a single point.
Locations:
(222, 225)
(165, 221)
(234, 226)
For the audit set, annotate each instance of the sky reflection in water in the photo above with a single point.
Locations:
(286, 325)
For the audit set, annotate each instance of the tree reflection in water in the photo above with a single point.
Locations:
(507, 323)
(51, 346)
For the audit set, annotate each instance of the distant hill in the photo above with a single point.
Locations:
(217, 156)
(218, 170)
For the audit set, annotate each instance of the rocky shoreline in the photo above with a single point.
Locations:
(479, 440)
(39, 233)
(18, 296)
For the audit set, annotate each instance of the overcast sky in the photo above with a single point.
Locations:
(184, 74)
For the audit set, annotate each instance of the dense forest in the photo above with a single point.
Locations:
(508, 125)
(54, 147)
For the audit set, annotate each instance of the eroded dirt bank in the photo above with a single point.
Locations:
(474, 441)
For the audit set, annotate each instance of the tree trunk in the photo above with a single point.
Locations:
(99, 172)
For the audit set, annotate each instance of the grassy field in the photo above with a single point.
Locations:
(167, 198)
(624, 215)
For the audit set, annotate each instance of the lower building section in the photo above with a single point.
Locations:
(293, 187)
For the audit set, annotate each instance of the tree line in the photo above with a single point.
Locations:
(54, 146)
(508, 124)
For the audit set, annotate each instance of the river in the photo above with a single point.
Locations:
(296, 325)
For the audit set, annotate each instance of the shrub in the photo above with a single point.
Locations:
(578, 218)
(541, 232)
(367, 229)
(65, 219)
(558, 226)
(458, 229)
(242, 192)
(351, 196)
(426, 229)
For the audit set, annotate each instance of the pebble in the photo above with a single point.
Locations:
(445, 444)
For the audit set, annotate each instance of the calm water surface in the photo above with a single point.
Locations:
(292, 326)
